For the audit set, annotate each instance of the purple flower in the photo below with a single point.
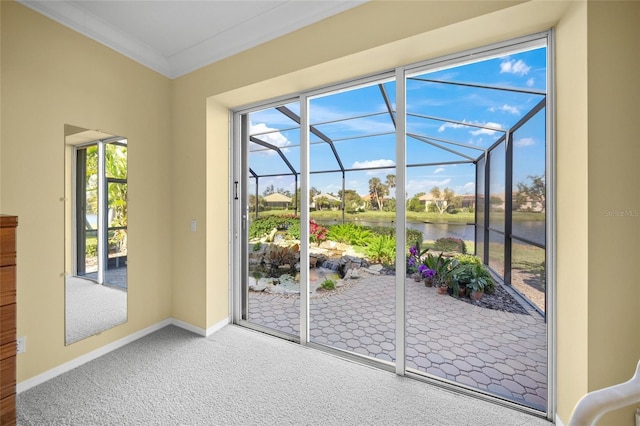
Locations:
(413, 251)
(426, 272)
(412, 262)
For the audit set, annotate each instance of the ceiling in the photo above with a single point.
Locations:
(176, 37)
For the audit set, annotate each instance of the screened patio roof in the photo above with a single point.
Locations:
(454, 116)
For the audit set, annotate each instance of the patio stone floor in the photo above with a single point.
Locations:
(501, 353)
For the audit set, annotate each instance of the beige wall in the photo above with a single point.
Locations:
(572, 208)
(183, 126)
(338, 48)
(614, 156)
(52, 76)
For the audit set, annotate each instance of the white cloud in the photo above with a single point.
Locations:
(438, 170)
(425, 185)
(486, 131)
(468, 188)
(276, 138)
(450, 126)
(531, 82)
(514, 67)
(506, 108)
(373, 163)
(525, 142)
(475, 132)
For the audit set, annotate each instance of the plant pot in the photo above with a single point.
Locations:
(476, 294)
(428, 282)
(442, 290)
(462, 290)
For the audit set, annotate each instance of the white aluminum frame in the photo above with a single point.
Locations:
(400, 74)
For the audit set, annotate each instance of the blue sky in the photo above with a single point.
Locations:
(476, 116)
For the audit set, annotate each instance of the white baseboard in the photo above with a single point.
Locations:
(558, 421)
(70, 365)
(188, 327)
(217, 327)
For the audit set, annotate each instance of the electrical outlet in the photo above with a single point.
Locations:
(22, 344)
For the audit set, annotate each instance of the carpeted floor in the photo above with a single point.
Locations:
(241, 377)
(92, 308)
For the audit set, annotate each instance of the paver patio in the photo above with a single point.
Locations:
(498, 352)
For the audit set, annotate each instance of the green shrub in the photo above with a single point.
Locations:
(92, 247)
(382, 249)
(413, 235)
(294, 229)
(470, 269)
(350, 233)
(328, 284)
(264, 225)
(450, 244)
(468, 259)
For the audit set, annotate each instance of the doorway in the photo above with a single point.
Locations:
(346, 191)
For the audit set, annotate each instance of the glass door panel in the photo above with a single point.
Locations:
(116, 265)
(271, 282)
(352, 254)
(101, 188)
(494, 343)
(87, 210)
(469, 133)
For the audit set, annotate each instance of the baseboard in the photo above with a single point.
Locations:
(70, 365)
(197, 330)
(558, 421)
(217, 327)
(188, 327)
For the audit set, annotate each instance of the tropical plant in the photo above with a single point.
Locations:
(282, 255)
(470, 270)
(350, 233)
(414, 258)
(480, 281)
(442, 267)
(317, 233)
(426, 272)
(381, 249)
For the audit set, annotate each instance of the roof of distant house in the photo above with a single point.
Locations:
(277, 197)
(327, 196)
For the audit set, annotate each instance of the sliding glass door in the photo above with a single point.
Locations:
(401, 220)
(100, 204)
(352, 171)
(271, 220)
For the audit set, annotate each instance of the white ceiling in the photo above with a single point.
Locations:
(175, 37)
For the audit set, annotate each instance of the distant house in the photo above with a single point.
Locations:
(333, 200)
(277, 200)
(468, 201)
(427, 199)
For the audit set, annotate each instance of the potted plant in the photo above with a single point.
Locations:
(461, 277)
(480, 281)
(441, 267)
(427, 273)
(413, 261)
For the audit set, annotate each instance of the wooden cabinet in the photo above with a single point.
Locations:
(8, 226)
